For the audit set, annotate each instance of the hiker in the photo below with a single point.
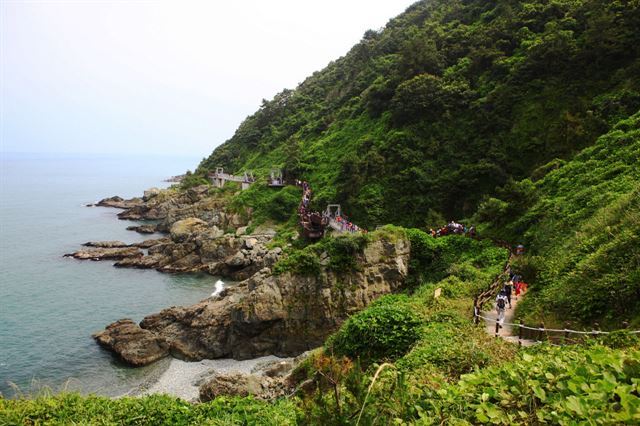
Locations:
(501, 305)
(517, 287)
(508, 289)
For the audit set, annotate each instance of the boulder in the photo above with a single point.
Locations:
(236, 260)
(183, 229)
(150, 193)
(242, 385)
(134, 345)
(250, 243)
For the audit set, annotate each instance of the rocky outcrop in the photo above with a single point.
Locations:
(106, 253)
(143, 229)
(236, 384)
(133, 344)
(169, 207)
(150, 243)
(268, 380)
(280, 315)
(118, 202)
(194, 245)
(105, 244)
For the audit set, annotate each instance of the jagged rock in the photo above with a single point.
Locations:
(236, 260)
(150, 243)
(150, 193)
(241, 385)
(105, 244)
(142, 262)
(143, 229)
(119, 202)
(133, 344)
(250, 243)
(106, 253)
(183, 229)
(279, 369)
(241, 231)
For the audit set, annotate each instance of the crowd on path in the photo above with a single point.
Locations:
(307, 216)
(515, 286)
(347, 226)
(454, 228)
(304, 212)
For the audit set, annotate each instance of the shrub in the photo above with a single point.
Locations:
(303, 262)
(383, 331)
(342, 251)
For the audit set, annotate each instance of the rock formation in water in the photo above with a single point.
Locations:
(133, 344)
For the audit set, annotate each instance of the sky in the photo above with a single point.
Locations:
(159, 76)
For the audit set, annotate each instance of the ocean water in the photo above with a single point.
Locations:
(50, 305)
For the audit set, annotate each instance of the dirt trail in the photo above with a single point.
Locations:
(507, 332)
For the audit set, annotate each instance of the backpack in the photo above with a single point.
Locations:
(501, 304)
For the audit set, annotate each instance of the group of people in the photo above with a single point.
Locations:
(312, 223)
(347, 226)
(303, 209)
(453, 228)
(516, 286)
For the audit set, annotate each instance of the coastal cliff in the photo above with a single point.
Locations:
(280, 314)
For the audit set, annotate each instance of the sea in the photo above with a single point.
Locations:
(50, 305)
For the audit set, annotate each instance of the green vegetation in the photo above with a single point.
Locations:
(69, 408)
(342, 254)
(386, 330)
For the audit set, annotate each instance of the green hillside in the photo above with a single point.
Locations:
(450, 100)
(581, 222)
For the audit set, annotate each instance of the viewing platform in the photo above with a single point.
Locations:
(219, 178)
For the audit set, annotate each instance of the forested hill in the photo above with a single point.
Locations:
(452, 99)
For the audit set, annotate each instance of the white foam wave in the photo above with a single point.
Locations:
(219, 287)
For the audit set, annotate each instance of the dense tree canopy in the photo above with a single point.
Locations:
(448, 102)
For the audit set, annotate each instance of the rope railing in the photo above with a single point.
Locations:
(488, 293)
(557, 330)
(541, 333)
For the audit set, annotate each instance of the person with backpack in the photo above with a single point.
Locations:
(508, 289)
(501, 305)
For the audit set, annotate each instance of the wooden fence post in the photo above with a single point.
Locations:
(520, 331)
(475, 311)
(566, 332)
(541, 332)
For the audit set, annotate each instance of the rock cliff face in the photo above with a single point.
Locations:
(282, 315)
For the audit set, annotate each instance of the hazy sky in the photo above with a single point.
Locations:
(160, 76)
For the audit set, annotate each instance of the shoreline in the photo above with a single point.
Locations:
(182, 379)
